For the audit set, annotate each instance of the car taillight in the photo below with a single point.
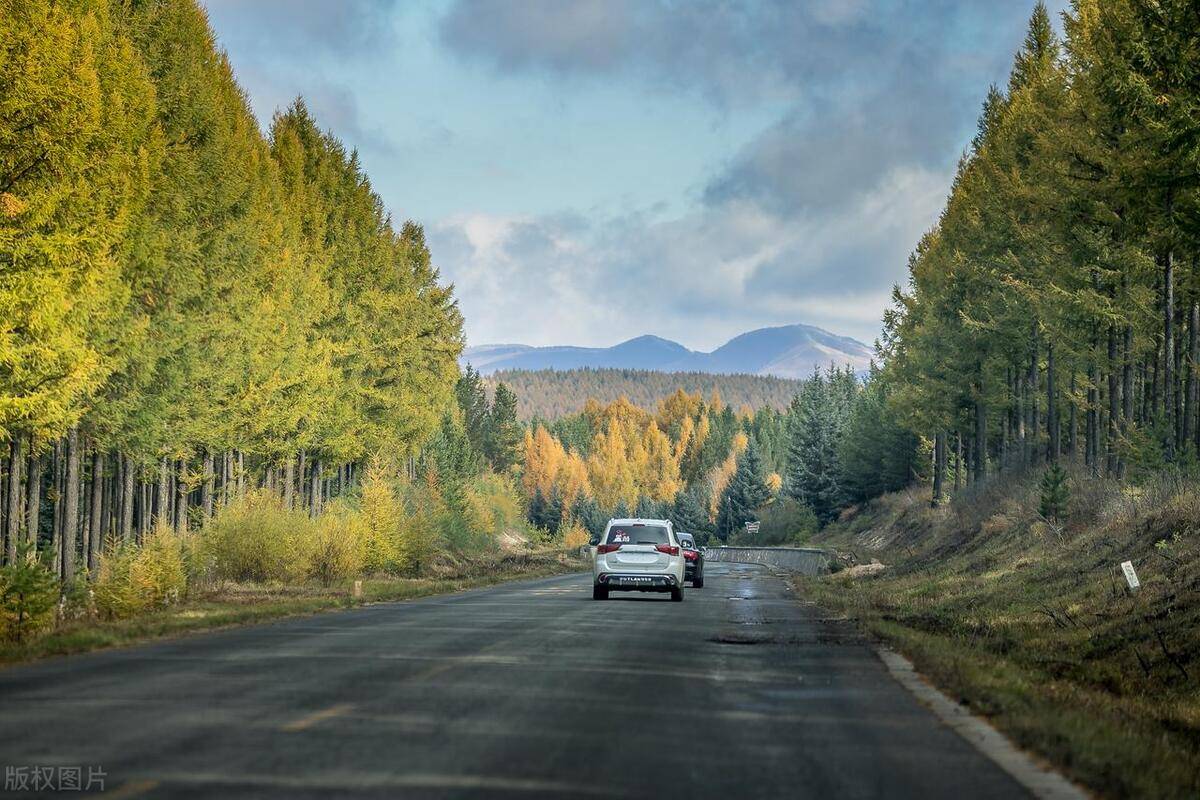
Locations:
(690, 555)
(607, 548)
(668, 549)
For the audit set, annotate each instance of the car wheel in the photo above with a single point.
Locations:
(677, 594)
(599, 593)
(698, 581)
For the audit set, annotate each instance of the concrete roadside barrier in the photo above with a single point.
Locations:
(805, 560)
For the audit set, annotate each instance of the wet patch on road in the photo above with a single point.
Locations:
(741, 638)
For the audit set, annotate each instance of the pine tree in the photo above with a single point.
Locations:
(813, 467)
(1055, 494)
(29, 593)
(620, 511)
(503, 431)
(746, 493)
(876, 454)
(473, 403)
(536, 513)
(448, 455)
(648, 508)
(589, 515)
(552, 512)
(690, 513)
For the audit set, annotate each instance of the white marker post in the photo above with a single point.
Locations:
(1131, 575)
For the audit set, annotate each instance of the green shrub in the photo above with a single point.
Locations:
(337, 546)
(422, 530)
(382, 513)
(135, 578)
(256, 539)
(574, 535)
(784, 522)
(28, 594)
(492, 505)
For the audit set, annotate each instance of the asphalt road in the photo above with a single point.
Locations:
(527, 689)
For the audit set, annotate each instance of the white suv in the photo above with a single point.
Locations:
(638, 555)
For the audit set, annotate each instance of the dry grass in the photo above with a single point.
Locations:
(1032, 623)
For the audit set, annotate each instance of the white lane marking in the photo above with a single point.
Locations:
(1042, 782)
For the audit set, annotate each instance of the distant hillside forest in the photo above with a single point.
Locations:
(552, 394)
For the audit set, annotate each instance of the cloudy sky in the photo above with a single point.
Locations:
(592, 170)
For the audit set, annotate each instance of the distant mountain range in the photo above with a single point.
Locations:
(789, 351)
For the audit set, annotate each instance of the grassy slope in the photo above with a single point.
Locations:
(249, 604)
(1033, 626)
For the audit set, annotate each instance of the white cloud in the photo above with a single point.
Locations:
(699, 278)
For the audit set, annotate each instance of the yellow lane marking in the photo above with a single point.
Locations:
(132, 789)
(304, 723)
(337, 783)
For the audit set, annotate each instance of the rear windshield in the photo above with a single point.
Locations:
(686, 540)
(638, 534)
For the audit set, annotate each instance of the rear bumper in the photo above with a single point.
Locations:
(636, 582)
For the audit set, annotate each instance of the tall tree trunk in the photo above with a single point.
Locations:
(958, 462)
(302, 491)
(226, 477)
(1053, 449)
(1127, 375)
(315, 507)
(181, 496)
(1093, 411)
(116, 497)
(206, 491)
(58, 481)
(95, 514)
(12, 530)
(1111, 444)
(4, 515)
(1193, 362)
(289, 482)
(1006, 421)
(147, 515)
(1023, 415)
(1142, 409)
(1072, 421)
(980, 465)
(162, 508)
(126, 498)
(33, 495)
(110, 503)
(1034, 380)
(241, 473)
(1126, 389)
(70, 531)
(1167, 261)
(939, 467)
(1179, 389)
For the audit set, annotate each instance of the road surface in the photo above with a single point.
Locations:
(527, 689)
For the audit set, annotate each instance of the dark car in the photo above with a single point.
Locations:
(693, 559)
